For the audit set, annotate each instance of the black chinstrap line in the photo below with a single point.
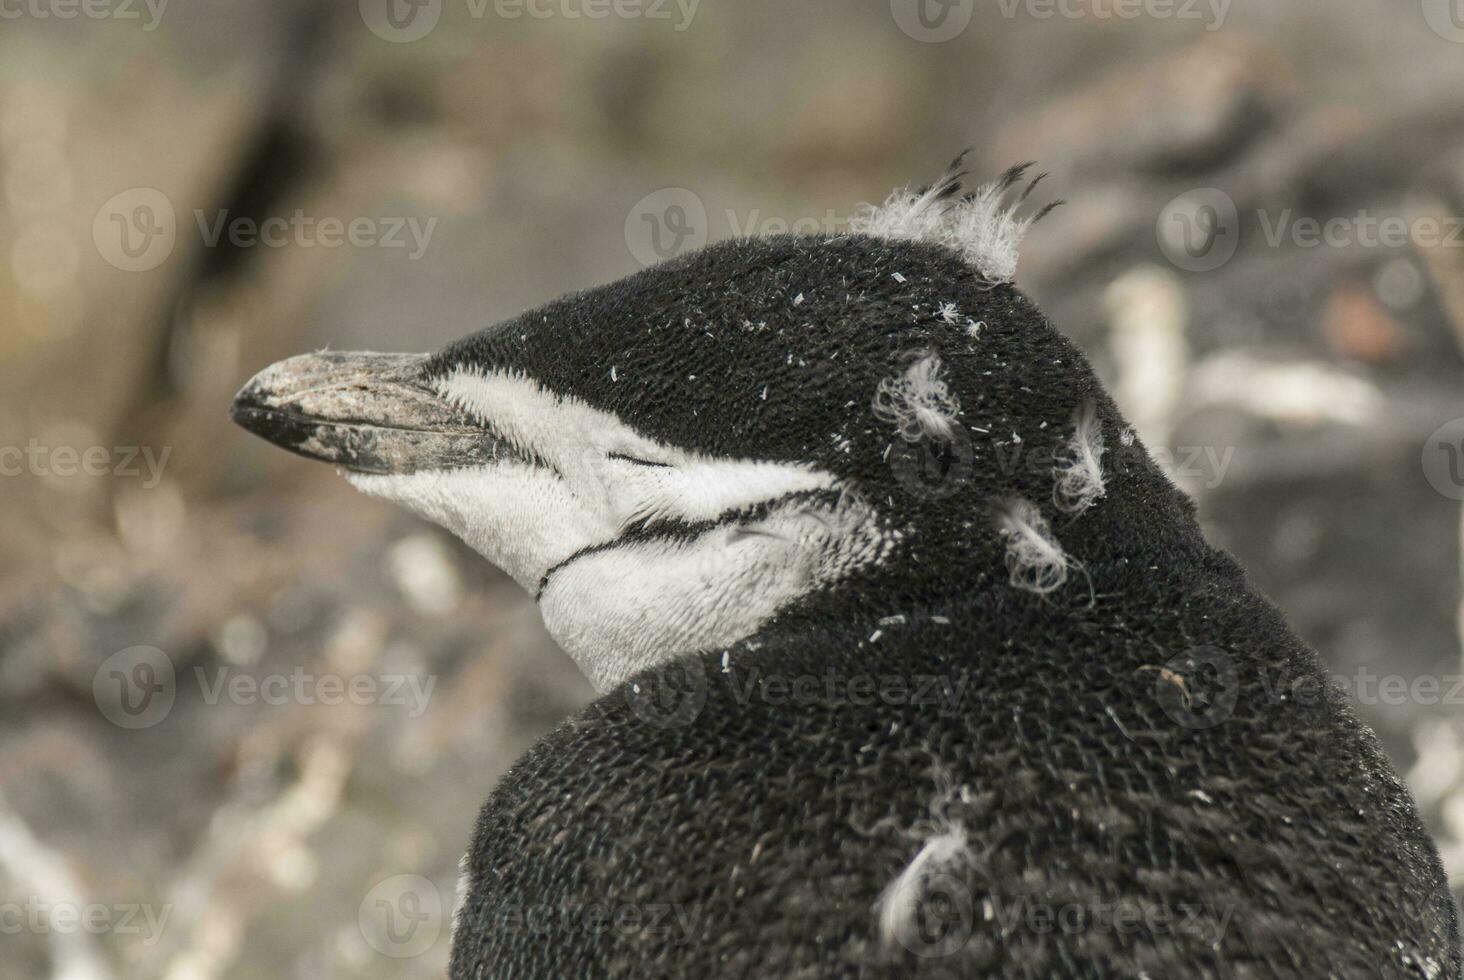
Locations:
(672, 529)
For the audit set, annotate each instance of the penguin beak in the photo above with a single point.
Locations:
(368, 413)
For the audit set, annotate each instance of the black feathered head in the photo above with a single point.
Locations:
(677, 461)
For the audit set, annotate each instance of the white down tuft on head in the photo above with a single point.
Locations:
(982, 225)
(918, 401)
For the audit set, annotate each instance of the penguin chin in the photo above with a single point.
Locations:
(619, 602)
(521, 517)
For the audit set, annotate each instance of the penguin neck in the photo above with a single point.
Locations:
(978, 598)
(880, 604)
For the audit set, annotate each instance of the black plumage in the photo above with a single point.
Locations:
(1149, 740)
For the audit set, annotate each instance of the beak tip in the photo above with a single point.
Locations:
(237, 410)
(245, 410)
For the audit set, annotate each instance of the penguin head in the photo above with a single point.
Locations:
(676, 461)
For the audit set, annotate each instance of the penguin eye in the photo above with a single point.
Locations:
(635, 461)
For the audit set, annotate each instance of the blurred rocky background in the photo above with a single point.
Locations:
(1232, 171)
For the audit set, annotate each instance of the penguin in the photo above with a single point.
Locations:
(911, 661)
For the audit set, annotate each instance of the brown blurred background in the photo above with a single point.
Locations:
(442, 165)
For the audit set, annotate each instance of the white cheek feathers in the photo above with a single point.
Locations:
(521, 517)
(623, 609)
(615, 602)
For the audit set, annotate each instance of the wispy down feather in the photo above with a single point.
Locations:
(918, 401)
(1033, 557)
(944, 850)
(900, 902)
(982, 225)
(1079, 469)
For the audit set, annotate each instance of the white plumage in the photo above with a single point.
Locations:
(918, 402)
(983, 225)
(1079, 469)
(1035, 560)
